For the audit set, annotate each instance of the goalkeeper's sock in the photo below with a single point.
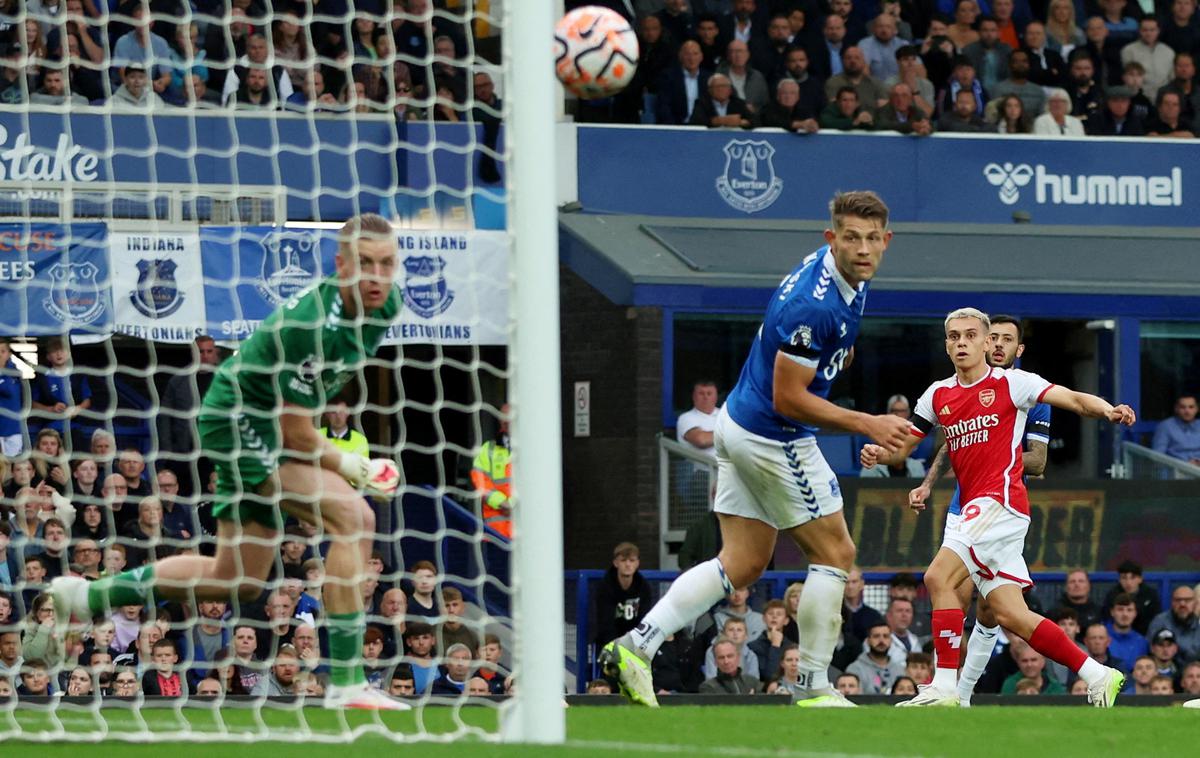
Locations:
(819, 623)
(947, 644)
(694, 592)
(979, 652)
(345, 649)
(133, 587)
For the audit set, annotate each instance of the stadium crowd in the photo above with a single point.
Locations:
(335, 56)
(74, 502)
(885, 647)
(1057, 67)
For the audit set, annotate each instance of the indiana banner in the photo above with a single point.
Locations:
(158, 285)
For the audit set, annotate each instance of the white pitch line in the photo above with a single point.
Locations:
(727, 751)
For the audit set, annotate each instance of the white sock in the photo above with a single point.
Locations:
(694, 592)
(819, 621)
(943, 679)
(1092, 672)
(979, 652)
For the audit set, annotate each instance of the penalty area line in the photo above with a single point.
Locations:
(726, 751)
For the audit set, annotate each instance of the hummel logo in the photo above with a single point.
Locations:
(955, 640)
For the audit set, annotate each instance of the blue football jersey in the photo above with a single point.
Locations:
(813, 318)
(1037, 429)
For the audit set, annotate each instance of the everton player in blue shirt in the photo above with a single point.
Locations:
(1008, 344)
(771, 476)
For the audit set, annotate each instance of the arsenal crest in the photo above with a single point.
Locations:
(987, 397)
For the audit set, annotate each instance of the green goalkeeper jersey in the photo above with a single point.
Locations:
(302, 354)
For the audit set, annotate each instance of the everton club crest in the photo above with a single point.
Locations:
(157, 294)
(749, 182)
(75, 296)
(425, 289)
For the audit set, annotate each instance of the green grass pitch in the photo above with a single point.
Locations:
(618, 732)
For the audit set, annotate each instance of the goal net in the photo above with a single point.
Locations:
(173, 179)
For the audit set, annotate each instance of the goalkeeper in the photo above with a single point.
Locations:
(256, 424)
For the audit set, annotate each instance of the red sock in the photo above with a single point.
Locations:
(947, 637)
(1051, 641)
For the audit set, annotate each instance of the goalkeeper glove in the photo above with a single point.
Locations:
(355, 469)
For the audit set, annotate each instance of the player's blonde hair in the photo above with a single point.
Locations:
(860, 204)
(370, 226)
(969, 313)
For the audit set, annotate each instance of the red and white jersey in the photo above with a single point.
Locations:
(984, 423)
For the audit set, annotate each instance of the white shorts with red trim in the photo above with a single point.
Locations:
(784, 484)
(990, 540)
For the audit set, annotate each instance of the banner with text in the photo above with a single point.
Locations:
(54, 279)
(158, 286)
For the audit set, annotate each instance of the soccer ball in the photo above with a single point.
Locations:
(595, 52)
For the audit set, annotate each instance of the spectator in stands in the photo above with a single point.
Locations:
(903, 686)
(1179, 436)
(337, 430)
(125, 683)
(11, 659)
(1116, 119)
(10, 571)
(899, 619)
(40, 640)
(1011, 117)
(492, 668)
(491, 475)
(1030, 665)
(1140, 105)
(312, 94)
(1057, 120)
(187, 59)
(421, 601)
(453, 630)
(769, 646)
(938, 52)
(12, 404)
(1180, 27)
(54, 90)
(1169, 121)
(737, 606)
(151, 540)
(989, 55)
(1097, 642)
(54, 554)
(35, 679)
(768, 52)
(1121, 27)
(416, 30)
(1086, 93)
(122, 511)
(1164, 649)
(748, 83)
(881, 47)
(85, 483)
(874, 667)
(1077, 596)
(708, 34)
(1104, 51)
(453, 680)
(163, 679)
(676, 21)
(962, 118)
(870, 91)
(1129, 582)
(694, 427)
(1127, 644)
(1189, 681)
(143, 47)
(254, 91)
(911, 72)
(49, 463)
(181, 399)
(902, 115)
(21, 474)
(919, 667)
(827, 59)
(845, 113)
(594, 687)
(963, 78)
(787, 112)
(963, 31)
(133, 94)
(177, 517)
(85, 559)
(1033, 97)
(418, 653)
(729, 678)
(721, 107)
(274, 86)
(733, 630)
(402, 682)
(848, 684)
(811, 90)
(58, 395)
(861, 617)
(855, 19)
(787, 678)
(132, 466)
(1157, 59)
(623, 597)
(1181, 620)
(681, 86)
(1046, 67)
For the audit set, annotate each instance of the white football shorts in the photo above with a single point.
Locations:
(784, 484)
(990, 540)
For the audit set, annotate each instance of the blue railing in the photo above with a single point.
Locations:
(774, 584)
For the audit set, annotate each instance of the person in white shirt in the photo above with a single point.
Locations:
(1057, 121)
(695, 427)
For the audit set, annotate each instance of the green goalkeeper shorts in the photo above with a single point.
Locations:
(245, 452)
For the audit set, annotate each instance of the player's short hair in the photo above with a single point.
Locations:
(626, 550)
(1004, 318)
(1123, 598)
(969, 313)
(860, 203)
(371, 226)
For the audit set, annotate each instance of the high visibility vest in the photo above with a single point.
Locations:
(491, 475)
(356, 443)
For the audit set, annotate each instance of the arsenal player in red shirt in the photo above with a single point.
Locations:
(982, 411)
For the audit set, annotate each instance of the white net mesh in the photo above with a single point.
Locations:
(171, 174)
